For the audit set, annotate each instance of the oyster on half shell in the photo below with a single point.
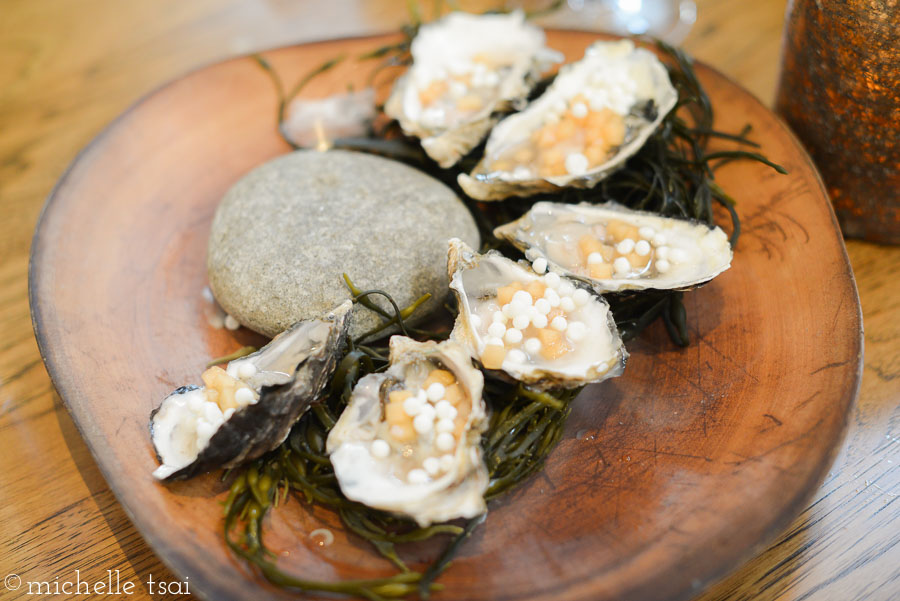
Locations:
(465, 69)
(408, 441)
(248, 408)
(595, 115)
(541, 330)
(615, 248)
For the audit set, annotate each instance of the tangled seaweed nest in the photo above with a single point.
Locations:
(672, 175)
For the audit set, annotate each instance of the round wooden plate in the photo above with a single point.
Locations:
(665, 479)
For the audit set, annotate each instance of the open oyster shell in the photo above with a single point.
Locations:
(409, 440)
(615, 248)
(248, 408)
(597, 113)
(565, 338)
(465, 68)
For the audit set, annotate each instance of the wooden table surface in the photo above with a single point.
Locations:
(68, 67)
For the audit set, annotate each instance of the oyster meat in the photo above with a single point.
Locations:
(615, 248)
(248, 408)
(408, 441)
(465, 69)
(539, 329)
(597, 113)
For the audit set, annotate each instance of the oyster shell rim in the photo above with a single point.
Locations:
(448, 145)
(507, 232)
(469, 455)
(479, 186)
(278, 408)
(461, 257)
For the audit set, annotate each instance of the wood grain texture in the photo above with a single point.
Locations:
(67, 68)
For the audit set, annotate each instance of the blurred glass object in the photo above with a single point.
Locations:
(839, 91)
(670, 20)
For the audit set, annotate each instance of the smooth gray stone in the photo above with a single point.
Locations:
(284, 234)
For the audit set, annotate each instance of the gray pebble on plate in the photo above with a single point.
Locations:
(284, 234)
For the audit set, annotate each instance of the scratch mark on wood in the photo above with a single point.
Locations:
(655, 451)
(794, 440)
(828, 366)
(837, 313)
(729, 359)
(777, 421)
(803, 403)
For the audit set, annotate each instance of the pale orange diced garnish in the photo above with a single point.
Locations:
(545, 138)
(579, 121)
(536, 289)
(398, 396)
(529, 332)
(395, 415)
(596, 153)
(600, 118)
(505, 293)
(637, 260)
(217, 380)
(225, 399)
(439, 376)
(215, 376)
(432, 92)
(453, 394)
(620, 230)
(493, 355)
(601, 271)
(588, 245)
(403, 432)
(616, 229)
(462, 416)
(609, 253)
(484, 58)
(469, 102)
(553, 346)
(594, 136)
(554, 169)
(548, 335)
(614, 133)
(552, 156)
(566, 128)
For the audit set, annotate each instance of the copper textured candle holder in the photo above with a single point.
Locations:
(840, 92)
